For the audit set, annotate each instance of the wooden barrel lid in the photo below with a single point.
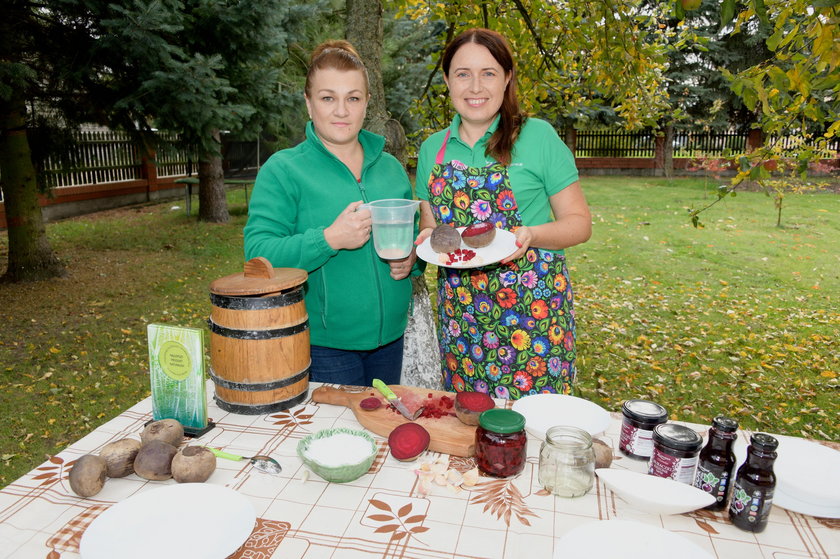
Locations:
(259, 278)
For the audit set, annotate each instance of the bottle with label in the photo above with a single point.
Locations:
(714, 469)
(755, 482)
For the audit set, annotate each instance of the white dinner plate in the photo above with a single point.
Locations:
(503, 245)
(791, 503)
(624, 539)
(195, 520)
(807, 476)
(543, 411)
(653, 494)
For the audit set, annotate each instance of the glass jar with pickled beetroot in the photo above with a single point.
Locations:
(500, 442)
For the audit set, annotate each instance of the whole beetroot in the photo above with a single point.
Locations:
(154, 461)
(119, 456)
(167, 430)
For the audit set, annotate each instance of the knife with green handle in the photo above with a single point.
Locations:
(394, 400)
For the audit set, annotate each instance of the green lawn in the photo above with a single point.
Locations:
(737, 318)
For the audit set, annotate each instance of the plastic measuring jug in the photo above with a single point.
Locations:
(393, 226)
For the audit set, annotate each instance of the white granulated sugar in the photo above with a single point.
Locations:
(340, 449)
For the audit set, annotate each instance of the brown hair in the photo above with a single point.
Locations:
(334, 55)
(501, 142)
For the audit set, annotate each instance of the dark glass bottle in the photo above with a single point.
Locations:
(752, 493)
(714, 469)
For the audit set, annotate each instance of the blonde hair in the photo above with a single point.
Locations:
(336, 54)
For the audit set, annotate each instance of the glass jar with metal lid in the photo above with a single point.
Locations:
(640, 417)
(567, 461)
(675, 450)
(500, 442)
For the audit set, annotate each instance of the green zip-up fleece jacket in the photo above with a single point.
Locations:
(351, 300)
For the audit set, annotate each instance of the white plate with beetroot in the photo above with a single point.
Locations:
(544, 411)
(503, 245)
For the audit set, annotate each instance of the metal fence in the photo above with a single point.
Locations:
(705, 144)
(686, 143)
(97, 157)
(111, 157)
(108, 157)
(614, 143)
(101, 157)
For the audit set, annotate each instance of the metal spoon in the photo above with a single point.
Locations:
(261, 462)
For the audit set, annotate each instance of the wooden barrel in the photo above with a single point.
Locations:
(259, 339)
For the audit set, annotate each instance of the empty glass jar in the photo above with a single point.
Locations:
(567, 462)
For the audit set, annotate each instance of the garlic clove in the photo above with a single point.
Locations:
(470, 478)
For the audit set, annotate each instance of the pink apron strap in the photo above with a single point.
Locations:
(442, 151)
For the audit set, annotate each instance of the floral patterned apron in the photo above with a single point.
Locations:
(506, 329)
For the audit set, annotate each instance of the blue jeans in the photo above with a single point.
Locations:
(343, 366)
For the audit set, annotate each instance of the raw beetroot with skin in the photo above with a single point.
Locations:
(408, 441)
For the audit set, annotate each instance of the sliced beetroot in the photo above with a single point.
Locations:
(408, 441)
(477, 229)
(479, 235)
(469, 405)
(370, 404)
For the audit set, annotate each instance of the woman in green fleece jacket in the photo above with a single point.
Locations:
(304, 213)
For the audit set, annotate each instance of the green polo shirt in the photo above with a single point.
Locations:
(541, 165)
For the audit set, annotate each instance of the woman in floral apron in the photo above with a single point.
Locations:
(508, 328)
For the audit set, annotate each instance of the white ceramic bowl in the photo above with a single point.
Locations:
(653, 494)
(345, 472)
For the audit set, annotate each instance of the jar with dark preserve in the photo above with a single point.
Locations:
(675, 450)
(500, 442)
(640, 417)
(755, 483)
(716, 461)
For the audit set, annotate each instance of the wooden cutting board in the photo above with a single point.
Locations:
(448, 434)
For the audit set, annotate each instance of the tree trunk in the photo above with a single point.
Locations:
(212, 199)
(364, 31)
(31, 257)
(668, 159)
(570, 137)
